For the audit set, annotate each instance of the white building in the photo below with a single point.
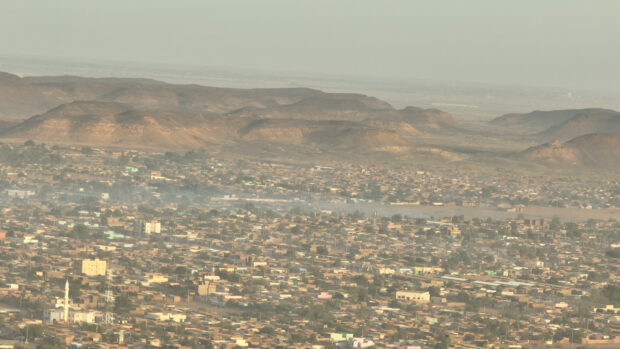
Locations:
(58, 315)
(159, 316)
(361, 343)
(54, 315)
(82, 316)
(151, 227)
(21, 194)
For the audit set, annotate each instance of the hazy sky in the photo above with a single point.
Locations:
(555, 43)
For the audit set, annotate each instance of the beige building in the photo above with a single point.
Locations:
(206, 289)
(152, 227)
(93, 267)
(154, 278)
(413, 296)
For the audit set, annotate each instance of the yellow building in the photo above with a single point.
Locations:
(412, 296)
(93, 267)
(154, 278)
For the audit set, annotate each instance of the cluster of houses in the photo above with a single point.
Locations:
(140, 250)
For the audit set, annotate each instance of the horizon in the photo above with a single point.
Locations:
(469, 101)
(564, 44)
(309, 174)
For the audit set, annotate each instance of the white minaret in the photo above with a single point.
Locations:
(67, 302)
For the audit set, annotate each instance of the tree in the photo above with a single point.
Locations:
(514, 228)
(433, 291)
(613, 253)
(254, 250)
(267, 330)
(79, 231)
(397, 218)
(360, 280)
(443, 340)
(123, 303)
(322, 250)
(583, 310)
(86, 150)
(181, 271)
(394, 304)
(362, 294)
(612, 293)
(75, 289)
(31, 332)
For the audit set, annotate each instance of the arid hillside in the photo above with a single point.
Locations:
(593, 150)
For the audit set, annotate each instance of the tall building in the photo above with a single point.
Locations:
(150, 227)
(93, 267)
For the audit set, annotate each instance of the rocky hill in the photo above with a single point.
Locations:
(24, 97)
(117, 124)
(143, 113)
(537, 121)
(593, 121)
(19, 99)
(593, 150)
(563, 125)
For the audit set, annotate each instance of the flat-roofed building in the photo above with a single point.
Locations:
(93, 267)
(413, 296)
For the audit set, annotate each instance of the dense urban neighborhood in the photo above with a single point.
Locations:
(114, 249)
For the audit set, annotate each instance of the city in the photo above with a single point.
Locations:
(127, 248)
(309, 174)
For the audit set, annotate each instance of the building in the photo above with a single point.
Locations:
(413, 296)
(58, 315)
(54, 315)
(206, 289)
(8, 344)
(82, 316)
(154, 278)
(150, 227)
(93, 267)
(166, 317)
(21, 194)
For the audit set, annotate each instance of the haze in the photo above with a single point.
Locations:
(309, 174)
(553, 43)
